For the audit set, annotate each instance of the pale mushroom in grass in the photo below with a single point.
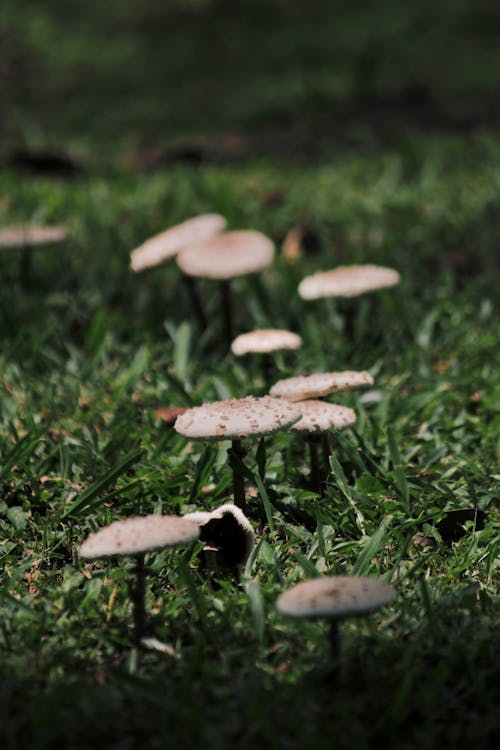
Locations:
(166, 245)
(319, 384)
(228, 535)
(236, 420)
(347, 281)
(265, 342)
(224, 257)
(28, 236)
(135, 537)
(335, 598)
(318, 417)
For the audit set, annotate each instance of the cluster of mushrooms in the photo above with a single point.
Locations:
(203, 249)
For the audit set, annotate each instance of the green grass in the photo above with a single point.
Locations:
(90, 350)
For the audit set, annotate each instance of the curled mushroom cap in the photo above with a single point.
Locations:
(26, 236)
(237, 418)
(264, 341)
(141, 534)
(167, 244)
(335, 597)
(320, 384)
(228, 530)
(227, 255)
(347, 281)
(320, 416)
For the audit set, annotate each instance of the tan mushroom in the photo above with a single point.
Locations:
(334, 598)
(236, 420)
(136, 536)
(225, 257)
(25, 238)
(264, 341)
(319, 384)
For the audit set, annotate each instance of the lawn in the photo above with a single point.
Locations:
(373, 170)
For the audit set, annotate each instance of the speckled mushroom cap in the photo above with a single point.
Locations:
(25, 236)
(264, 341)
(237, 419)
(347, 281)
(167, 244)
(335, 597)
(141, 534)
(227, 255)
(320, 416)
(320, 384)
(245, 538)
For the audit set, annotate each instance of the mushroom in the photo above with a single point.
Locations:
(334, 598)
(228, 536)
(265, 341)
(25, 238)
(169, 414)
(235, 420)
(135, 537)
(320, 384)
(165, 245)
(347, 281)
(318, 417)
(224, 257)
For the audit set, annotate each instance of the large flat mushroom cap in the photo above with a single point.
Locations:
(320, 384)
(237, 418)
(264, 341)
(167, 244)
(132, 536)
(30, 235)
(320, 416)
(335, 597)
(347, 281)
(227, 255)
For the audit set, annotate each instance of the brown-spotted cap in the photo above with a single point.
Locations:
(347, 281)
(237, 418)
(227, 255)
(30, 235)
(132, 536)
(320, 416)
(335, 597)
(320, 384)
(264, 341)
(167, 244)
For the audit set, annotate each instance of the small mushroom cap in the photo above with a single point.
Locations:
(26, 236)
(141, 534)
(169, 414)
(320, 384)
(335, 597)
(167, 244)
(237, 418)
(227, 255)
(228, 529)
(265, 340)
(320, 416)
(347, 281)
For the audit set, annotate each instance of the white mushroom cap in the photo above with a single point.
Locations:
(237, 418)
(241, 531)
(265, 340)
(227, 255)
(347, 281)
(167, 244)
(141, 534)
(25, 236)
(320, 416)
(335, 597)
(320, 384)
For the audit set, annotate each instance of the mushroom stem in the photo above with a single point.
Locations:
(334, 640)
(196, 301)
(237, 449)
(25, 265)
(315, 480)
(139, 599)
(226, 312)
(327, 451)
